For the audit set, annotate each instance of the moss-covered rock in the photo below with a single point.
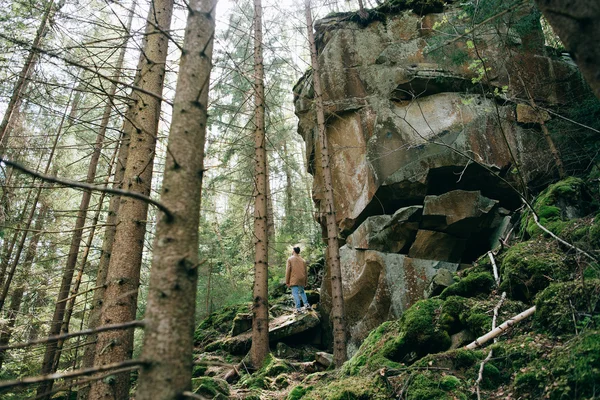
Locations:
(470, 286)
(568, 307)
(212, 388)
(529, 267)
(565, 200)
(298, 392)
(218, 323)
(367, 387)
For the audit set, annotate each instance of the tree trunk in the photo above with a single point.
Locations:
(333, 250)
(111, 219)
(17, 256)
(577, 24)
(17, 294)
(123, 276)
(71, 300)
(260, 306)
(168, 340)
(14, 103)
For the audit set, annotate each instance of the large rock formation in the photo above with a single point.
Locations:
(430, 133)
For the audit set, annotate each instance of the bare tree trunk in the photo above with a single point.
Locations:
(260, 306)
(17, 256)
(168, 340)
(19, 290)
(113, 208)
(123, 276)
(577, 24)
(10, 245)
(14, 103)
(75, 286)
(288, 182)
(333, 250)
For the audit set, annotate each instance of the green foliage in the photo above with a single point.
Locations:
(568, 307)
(529, 267)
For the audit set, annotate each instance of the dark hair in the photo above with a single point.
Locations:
(297, 250)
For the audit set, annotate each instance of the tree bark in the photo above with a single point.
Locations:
(123, 276)
(14, 103)
(260, 297)
(333, 249)
(170, 311)
(70, 301)
(109, 232)
(577, 24)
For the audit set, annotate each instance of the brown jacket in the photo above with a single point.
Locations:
(295, 272)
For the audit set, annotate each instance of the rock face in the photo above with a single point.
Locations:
(424, 146)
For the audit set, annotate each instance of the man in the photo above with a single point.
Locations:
(295, 277)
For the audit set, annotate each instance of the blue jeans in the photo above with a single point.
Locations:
(297, 292)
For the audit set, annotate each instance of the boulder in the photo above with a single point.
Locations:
(280, 328)
(432, 245)
(397, 110)
(440, 281)
(380, 286)
(459, 211)
(388, 233)
(241, 324)
(324, 359)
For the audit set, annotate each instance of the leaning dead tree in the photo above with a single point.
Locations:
(333, 247)
(170, 311)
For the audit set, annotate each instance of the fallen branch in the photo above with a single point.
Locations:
(86, 186)
(125, 325)
(489, 356)
(499, 330)
(124, 365)
(569, 245)
(495, 269)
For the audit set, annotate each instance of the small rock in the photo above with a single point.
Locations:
(325, 359)
(461, 339)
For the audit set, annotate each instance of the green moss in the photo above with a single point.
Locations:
(208, 386)
(364, 387)
(478, 323)
(568, 307)
(298, 392)
(530, 267)
(218, 323)
(472, 285)
(466, 358)
(449, 382)
(420, 333)
(570, 372)
(553, 204)
(276, 367)
(198, 371)
(370, 352)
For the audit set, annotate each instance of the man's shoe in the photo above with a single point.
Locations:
(308, 307)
